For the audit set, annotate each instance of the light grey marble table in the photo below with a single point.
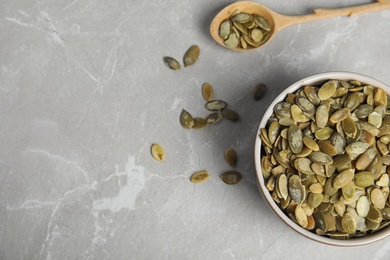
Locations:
(84, 94)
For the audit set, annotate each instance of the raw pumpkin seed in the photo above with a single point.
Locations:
(259, 92)
(230, 156)
(186, 119)
(158, 152)
(171, 63)
(215, 105)
(231, 177)
(207, 91)
(200, 177)
(191, 55)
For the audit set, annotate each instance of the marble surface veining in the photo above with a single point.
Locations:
(84, 94)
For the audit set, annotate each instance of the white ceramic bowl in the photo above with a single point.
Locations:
(313, 80)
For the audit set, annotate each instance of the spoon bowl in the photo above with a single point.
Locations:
(278, 21)
(243, 7)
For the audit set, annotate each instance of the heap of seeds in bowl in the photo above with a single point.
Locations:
(325, 158)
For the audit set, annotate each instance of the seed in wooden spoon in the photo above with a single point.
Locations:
(231, 177)
(191, 56)
(256, 35)
(158, 152)
(200, 176)
(225, 29)
(232, 41)
(230, 156)
(207, 91)
(171, 63)
(260, 90)
(261, 22)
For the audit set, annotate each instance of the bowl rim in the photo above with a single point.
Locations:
(312, 80)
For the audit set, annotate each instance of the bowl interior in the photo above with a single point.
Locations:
(313, 80)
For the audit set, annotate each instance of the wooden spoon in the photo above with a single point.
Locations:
(278, 21)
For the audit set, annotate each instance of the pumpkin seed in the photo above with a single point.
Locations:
(186, 119)
(295, 139)
(231, 177)
(199, 123)
(224, 29)
(377, 198)
(158, 152)
(215, 105)
(214, 118)
(230, 114)
(191, 55)
(348, 223)
(171, 63)
(200, 177)
(343, 178)
(230, 156)
(296, 190)
(261, 22)
(207, 91)
(232, 41)
(301, 217)
(260, 90)
(327, 90)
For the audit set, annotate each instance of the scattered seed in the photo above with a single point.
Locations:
(200, 177)
(230, 156)
(231, 177)
(191, 56)
(158, 152)
(171, 63)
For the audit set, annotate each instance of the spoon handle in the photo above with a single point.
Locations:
(319, 14)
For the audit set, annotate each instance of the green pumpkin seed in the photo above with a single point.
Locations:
(214, 118)
(231, 177)
(230, 156)
(215, 105)
(191, 55)
(296, 190)
(256, 35)
(199, 123)
(261, 22)
(301, 217)
(186, 119)
(158, 152)
(232, 41)
(348, 223)
(327, 90)
(171, 63)
(200, 177)
(343, 178)
(230, 115)
(207, 92)
(242, 17)
(260, 90)
(364, 179)
(295, 139)
(224, 29)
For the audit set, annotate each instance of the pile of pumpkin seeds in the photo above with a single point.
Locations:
(325, 158)
(243, 30)
(218, 110)
(190, 57)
